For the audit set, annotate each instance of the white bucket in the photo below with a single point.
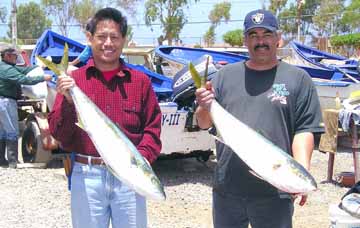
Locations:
(341, 219)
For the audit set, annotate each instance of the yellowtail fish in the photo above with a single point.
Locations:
(119, 154)
(267, 160)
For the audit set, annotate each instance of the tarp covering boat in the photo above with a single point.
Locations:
(52, 44)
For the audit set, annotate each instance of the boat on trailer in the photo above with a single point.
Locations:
(328, 81)
(324, 61)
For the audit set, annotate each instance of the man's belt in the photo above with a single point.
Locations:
(89, 160)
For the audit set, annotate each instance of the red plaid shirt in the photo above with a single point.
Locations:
(127, 99)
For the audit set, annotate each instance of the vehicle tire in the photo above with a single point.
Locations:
(204, 156)
(32, 148)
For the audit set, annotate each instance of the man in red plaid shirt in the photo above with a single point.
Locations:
(127, 98)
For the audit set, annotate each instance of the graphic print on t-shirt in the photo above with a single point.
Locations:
(279, 93)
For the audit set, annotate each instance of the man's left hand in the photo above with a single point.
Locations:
(303, 198)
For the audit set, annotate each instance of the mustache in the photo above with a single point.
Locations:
(262, 46)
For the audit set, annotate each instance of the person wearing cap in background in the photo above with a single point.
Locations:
(277, 100)
(11, 77)
(86, 53)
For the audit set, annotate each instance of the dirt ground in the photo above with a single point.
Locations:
(315, 213)
(41, 198)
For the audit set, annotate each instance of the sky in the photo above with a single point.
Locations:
(197, 16)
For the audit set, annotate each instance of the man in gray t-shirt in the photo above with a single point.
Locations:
(277, 100)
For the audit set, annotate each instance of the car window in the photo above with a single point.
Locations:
(20, 60)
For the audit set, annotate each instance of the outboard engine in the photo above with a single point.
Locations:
(183, 85)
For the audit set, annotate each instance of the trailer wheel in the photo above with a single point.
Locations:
(204, 156)
(32, 148)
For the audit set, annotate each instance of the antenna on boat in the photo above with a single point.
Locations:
(346, 74)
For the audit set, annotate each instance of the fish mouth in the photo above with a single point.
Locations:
(158, 196)
(161, 197)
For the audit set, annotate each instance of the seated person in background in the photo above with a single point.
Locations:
(85, 55)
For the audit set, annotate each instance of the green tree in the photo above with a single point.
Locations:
(65, 12)
(276, 6)
(129, 33)
(62, 12)
(327, 15)
(84, 10)
(220, 11)
(287, 20)
(209, 36)
(351, 17)
(128, 5)
(288, 16)
(169, 13)
(234, 37)
(3, 13)
(31, 21)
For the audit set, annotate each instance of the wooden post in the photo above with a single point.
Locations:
(355, 150)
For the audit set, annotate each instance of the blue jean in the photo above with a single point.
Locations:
(98, 197)
(260, 212)
(9, 126)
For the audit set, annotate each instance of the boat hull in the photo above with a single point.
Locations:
(338, 66)
(327, 92)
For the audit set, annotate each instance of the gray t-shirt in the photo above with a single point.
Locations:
(278, 103)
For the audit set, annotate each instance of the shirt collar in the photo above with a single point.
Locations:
(92, 71)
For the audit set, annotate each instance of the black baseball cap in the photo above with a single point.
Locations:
(260, 19)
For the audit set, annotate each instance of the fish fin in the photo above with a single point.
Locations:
(58, 69)
(195, 75)
(52, 66)
(199, 80)
(213, 132)
(276, 166)
(219, 138)
(80, 124)
(255, 174)
(133, 160)
(205, 76)
(65, 59)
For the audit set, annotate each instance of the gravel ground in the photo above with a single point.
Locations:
(39, 197)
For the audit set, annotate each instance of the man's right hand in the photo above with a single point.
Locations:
(205, 96)
(47, 77)
(63, 84)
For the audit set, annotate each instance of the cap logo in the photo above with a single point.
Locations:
(257, 18)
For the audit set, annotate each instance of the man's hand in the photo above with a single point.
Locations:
(70, 69)
(47, 77)
(204, 96)
(64, 83)
(303, 198)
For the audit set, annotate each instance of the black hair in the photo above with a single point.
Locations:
(7, 50)
(87, 25)
(108, 14)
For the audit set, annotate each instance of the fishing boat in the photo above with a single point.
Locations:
(328, 81)
(51, 44)
(178, 57)
(326, 64)
(328, 90)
